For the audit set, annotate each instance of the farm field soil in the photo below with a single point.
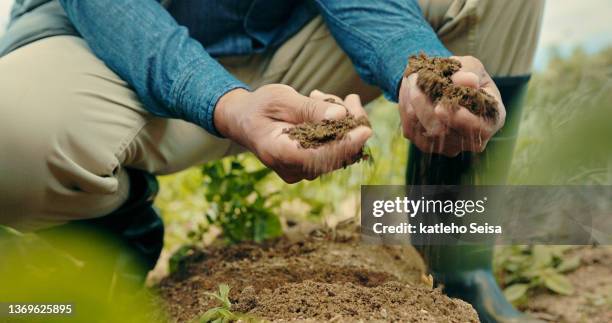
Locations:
(320, 276)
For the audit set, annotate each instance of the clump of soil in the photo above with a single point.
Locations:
(435, 81)
(315, 134)
(325, 276)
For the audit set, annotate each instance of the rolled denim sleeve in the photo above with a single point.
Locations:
(379, 36)
(171, 72)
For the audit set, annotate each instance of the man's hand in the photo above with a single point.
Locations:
(442, 130)
(256, 121)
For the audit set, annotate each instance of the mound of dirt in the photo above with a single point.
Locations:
(391, 301)
(325, 276)
(435, 81)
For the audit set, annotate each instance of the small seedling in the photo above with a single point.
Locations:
(223, 313)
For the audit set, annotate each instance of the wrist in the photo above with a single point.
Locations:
(225, 115)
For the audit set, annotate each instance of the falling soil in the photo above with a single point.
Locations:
(316, 134)
(435, 81)
(323, 276)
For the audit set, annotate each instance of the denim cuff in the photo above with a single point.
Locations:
(393, 56)
(199, 90)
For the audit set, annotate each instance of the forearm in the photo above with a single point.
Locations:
(139, 40)
(379, 36)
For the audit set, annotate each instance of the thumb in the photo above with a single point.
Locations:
(307, 109)
(468, 79)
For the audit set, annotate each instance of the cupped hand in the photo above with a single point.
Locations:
(256, 121)
(441, 129)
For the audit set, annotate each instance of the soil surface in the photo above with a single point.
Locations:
(434, 79)
(321, 276)
(592, 299)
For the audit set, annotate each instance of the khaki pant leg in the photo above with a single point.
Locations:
(309, 60)
(502, 34)
(68, 129)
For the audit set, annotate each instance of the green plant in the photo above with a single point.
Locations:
(221, 313)
(521, 269)
(238, 203)
(175, 263)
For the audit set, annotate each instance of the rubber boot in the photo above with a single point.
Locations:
(130, 239)
(465, 271)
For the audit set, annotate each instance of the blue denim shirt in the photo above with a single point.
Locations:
(166, 55)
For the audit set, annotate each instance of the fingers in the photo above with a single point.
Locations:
(338, 154)
(449, 145)
(469, 79)
(424, 109)
(299, 163)
(440, 129)
(294, 163)
(316, 94)
(471, 127)
(473, 65)
(307, 109)
(352, 102)
(492, 89)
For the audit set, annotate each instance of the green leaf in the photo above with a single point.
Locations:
(516, 292)
(211, 315)
(260, 174)
(542, 256)
(222, 296)
(175, 261)
(559, 284)
(569, 264)
(224, 290)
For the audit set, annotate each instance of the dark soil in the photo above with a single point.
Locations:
(316, 134)
(324, 276)
(434, 79)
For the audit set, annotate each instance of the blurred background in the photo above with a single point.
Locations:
(564, 139)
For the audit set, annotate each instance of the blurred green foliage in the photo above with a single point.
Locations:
(564, 140)
(237, 202)
(522, 269)
(97, 282)
(565, 132)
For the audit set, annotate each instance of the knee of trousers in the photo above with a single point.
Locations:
(53, 172)
(60, 146)
(502, 34)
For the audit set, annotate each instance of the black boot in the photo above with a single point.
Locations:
(131, 237)
(466, 271)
